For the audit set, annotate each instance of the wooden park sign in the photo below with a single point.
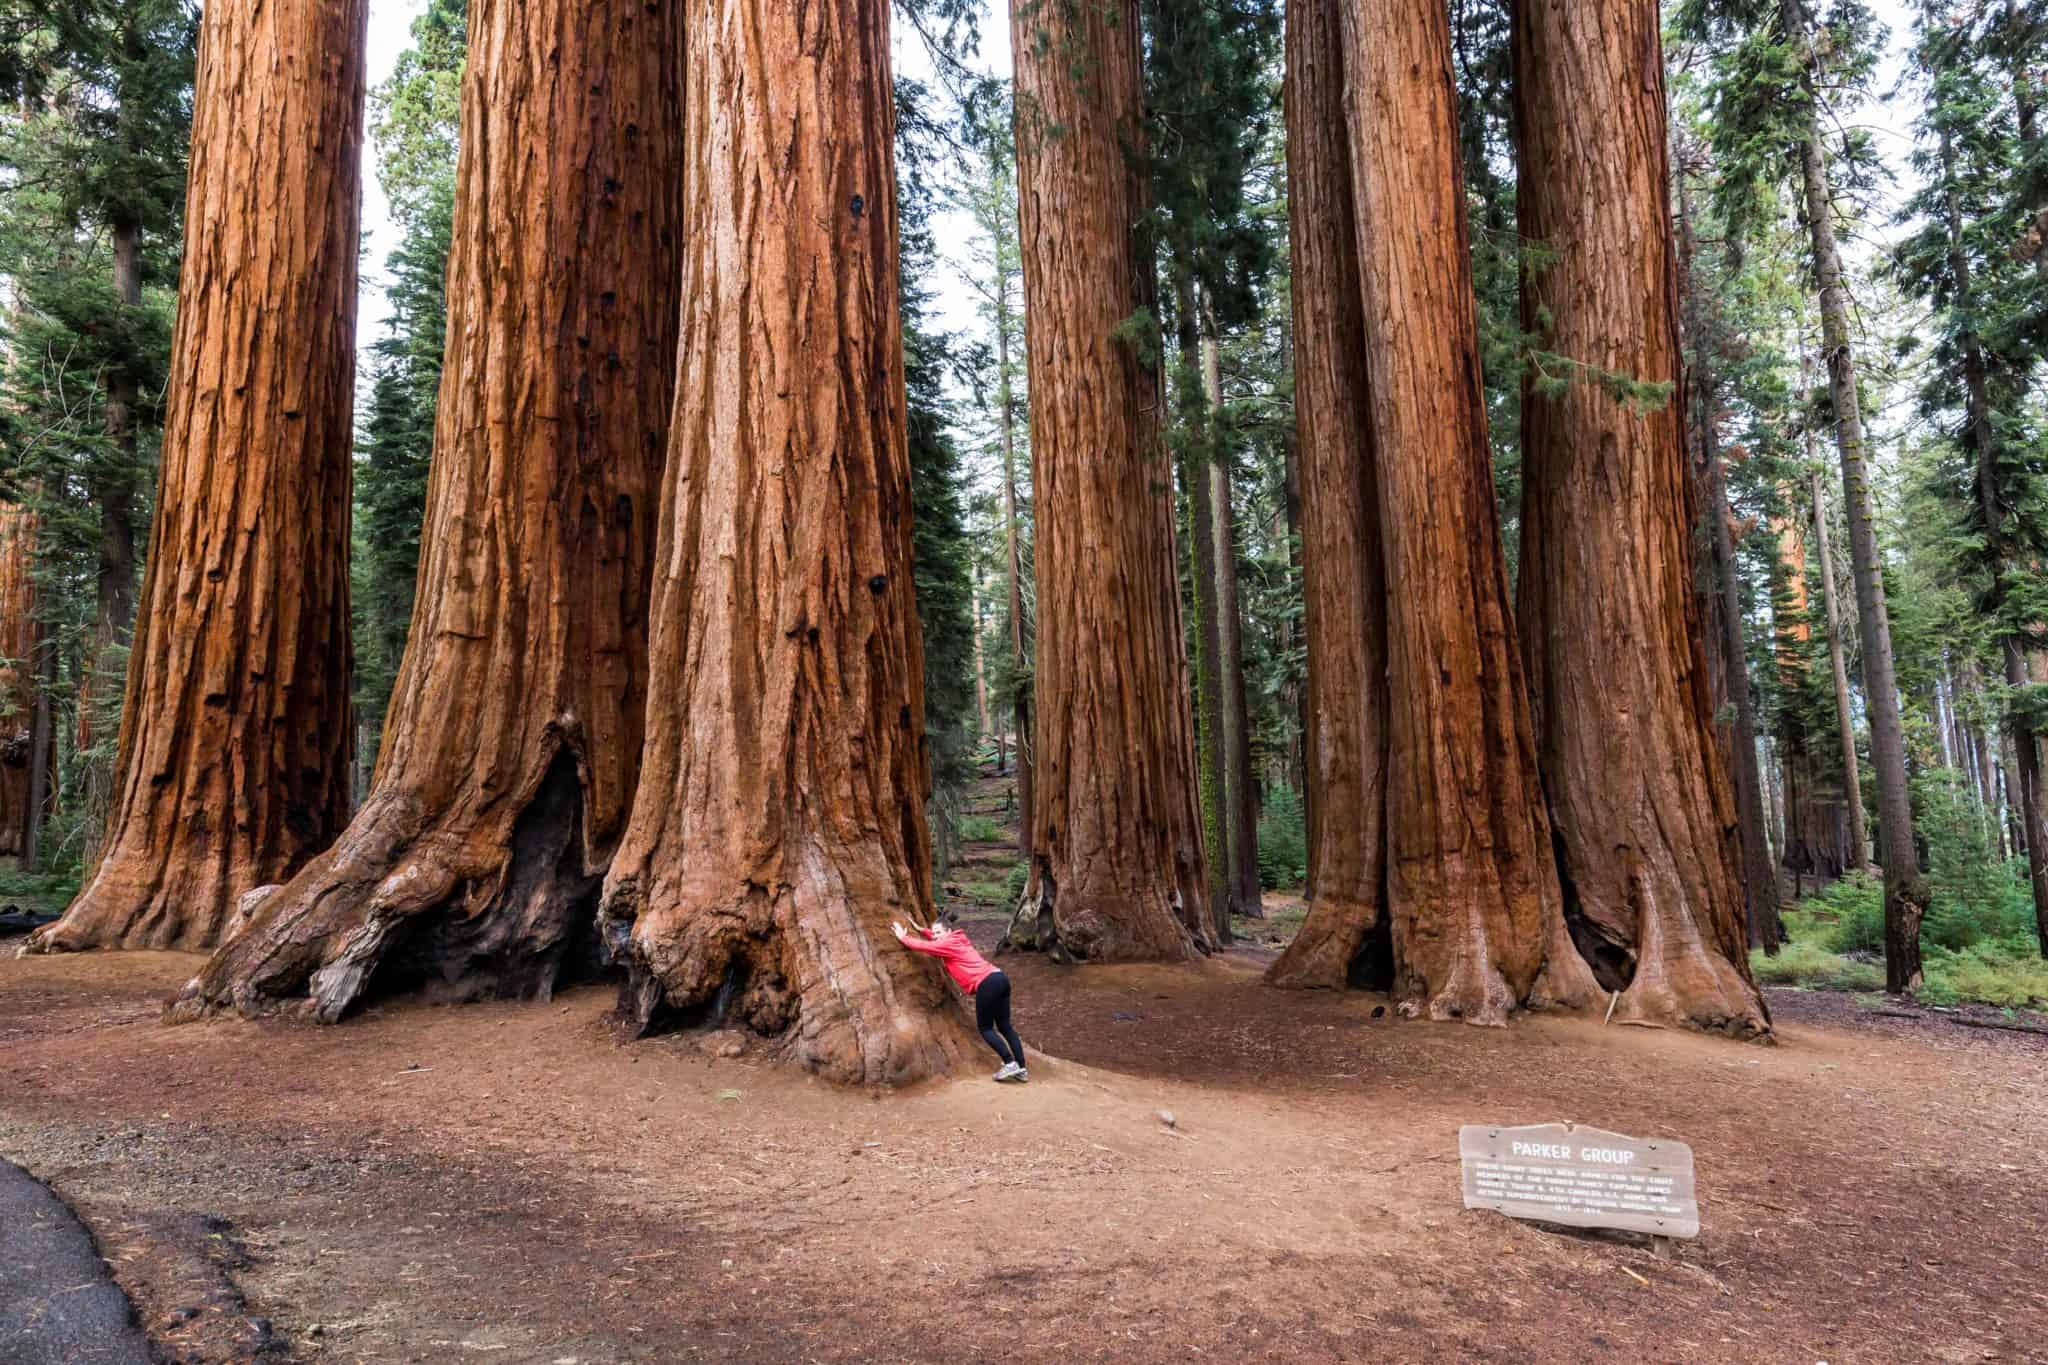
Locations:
(1581, 1177)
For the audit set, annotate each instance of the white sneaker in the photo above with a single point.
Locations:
(1022, 1076)
(1010, 1072)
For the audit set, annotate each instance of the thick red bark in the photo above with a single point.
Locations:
(236, 733)
(512, 744)
(1466, 884)
(1343, 588)
(1643, 814)
(20, 651)
(1117, 858)
(779, 825)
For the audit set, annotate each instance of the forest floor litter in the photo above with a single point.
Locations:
(512, 1182)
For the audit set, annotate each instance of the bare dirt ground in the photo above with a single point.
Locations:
(512, 1183)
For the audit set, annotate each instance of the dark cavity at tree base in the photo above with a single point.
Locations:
(1154, 926)
(397, 907)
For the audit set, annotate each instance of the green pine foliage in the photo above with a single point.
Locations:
(1283, 841)
(942, 552)
(414, 126)
(1980, 162)
(93, 137)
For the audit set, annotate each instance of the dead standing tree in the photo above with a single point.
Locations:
(779, 825)
(1454, 902)
(236, 735)
(1643, 814)
(513, 739)
(1117, 870)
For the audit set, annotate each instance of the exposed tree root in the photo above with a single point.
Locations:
(810, 968)
(1154, 925)
(1339, 945)
(393, 906)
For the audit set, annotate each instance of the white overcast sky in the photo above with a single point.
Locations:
(391, 20)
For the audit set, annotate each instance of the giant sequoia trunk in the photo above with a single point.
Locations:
(1117, 869)
(1642, 813)
(21, 646)
(513, 740)
(779, 825)
(1905, 890)
(1815, 830)
(1436, 875)
(1346, 938)
(236, 736)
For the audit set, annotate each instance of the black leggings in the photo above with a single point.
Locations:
(992, 1017)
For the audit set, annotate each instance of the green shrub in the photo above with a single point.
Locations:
(1283, 840)
(1847, 917)
(979, 829)
(39, 890)
(2007, 972)
(1973, 896)
(1013, 885)
(1810, 964)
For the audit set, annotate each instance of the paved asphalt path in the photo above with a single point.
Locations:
(58, 1302)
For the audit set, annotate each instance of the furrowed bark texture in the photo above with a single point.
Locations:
(1472, 883)
(1117, 867)
(1642, 813)
(236, 736)
(20, 649)
(779, 825)
(1905, 890)
(1344, 595)
(512, 744)
(1469, 885)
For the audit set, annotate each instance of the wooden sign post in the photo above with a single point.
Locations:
(1581, 1177)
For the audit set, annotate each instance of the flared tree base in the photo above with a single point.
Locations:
(397, 906)
(808, 970)
(1151, 925)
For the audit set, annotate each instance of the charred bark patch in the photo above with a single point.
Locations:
(529, 938)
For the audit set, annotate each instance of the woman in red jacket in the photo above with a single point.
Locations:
(981, 979)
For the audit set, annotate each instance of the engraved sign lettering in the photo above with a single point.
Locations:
(1581, 1177)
